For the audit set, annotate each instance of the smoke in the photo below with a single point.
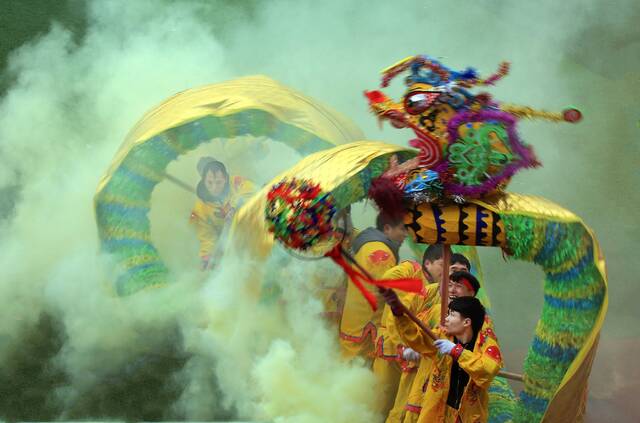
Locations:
(205, 349)
(60, 123)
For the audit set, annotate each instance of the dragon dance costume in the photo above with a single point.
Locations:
(453, 184)
(359, 325)
(210, 214)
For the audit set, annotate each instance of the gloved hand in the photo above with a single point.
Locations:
(408, 354)
(444, 346)
(391, 298)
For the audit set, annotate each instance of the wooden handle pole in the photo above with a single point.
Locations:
(185, 186)
(444, 282)
(512, 376)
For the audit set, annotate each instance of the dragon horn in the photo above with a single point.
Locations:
(571, 114)
(502, 71)
(392, 71)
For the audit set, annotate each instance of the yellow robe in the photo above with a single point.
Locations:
(409, 397)
(333, 294)
(427, 308)
(359, 323)
(209, 218)
(482, 365)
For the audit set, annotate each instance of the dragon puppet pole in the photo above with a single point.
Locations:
(405, 310)
(444, 282)
(185, 186)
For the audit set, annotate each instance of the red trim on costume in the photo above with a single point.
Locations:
(369, 329)
(405, 365)
(456, 351)
(416, 265)
(491, 334)
(389, 357)
(494, 353)
(413, 408)
(486, 334)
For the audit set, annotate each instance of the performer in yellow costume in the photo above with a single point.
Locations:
(376, 250)
(461, 283)
(218, 198)
(395, 364)
(391, 349)
(469, 359)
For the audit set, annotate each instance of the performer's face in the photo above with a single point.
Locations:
(215, 182)
(456, 324)
(396, 233)
(434, 268)
(457, 289)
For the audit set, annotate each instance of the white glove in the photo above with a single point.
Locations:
(444, 346)
(409, 354)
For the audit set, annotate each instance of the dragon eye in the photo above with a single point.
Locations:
(417, 102)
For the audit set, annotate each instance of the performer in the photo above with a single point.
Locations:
(432, 263)
(459, 263)
(461, 283)
(457, 389)
(391, 353)
(218, 197)
(376, 250)
(395, 364)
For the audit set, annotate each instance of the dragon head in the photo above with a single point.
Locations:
(434, 95)
(465, 136)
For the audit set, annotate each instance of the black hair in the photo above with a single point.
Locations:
(459, 258)
(384, 219)
(461, 274)
(215, 166)
(470, 308)
(432, 253)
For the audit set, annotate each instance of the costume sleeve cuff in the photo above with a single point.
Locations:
(456, 351)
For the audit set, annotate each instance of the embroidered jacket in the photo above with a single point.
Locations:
(482, 365)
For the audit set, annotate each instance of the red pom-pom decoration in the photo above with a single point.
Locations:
(388, 197)
(572, 115)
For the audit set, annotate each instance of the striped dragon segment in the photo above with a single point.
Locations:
(575, 289)
(559, 359)
(122, 201)
(463, 224)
